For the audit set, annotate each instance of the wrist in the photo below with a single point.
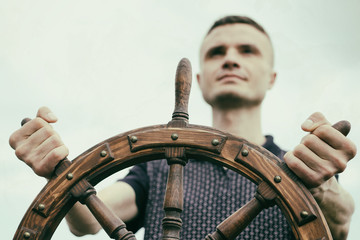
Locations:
(320, 191)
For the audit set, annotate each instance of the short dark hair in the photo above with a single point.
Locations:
(237, 19)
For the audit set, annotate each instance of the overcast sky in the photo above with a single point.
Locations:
(105, 67)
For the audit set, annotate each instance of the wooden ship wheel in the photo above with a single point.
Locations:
(176, 141)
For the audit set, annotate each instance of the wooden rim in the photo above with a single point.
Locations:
(149, 143)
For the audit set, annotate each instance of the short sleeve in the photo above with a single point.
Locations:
(138, 179)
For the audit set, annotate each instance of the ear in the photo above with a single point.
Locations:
(272, 80)
(198, 78)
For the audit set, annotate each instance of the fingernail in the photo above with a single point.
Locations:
(308, 124)
(51, 116)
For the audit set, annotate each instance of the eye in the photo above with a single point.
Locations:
(248, 49)
(216, 51)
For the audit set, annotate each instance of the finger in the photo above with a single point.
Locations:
(46, 166)
(331, 136)
(22, 134)
(48, 145)
(35, 125)
(308, 176)
(40, 157)
(46, 114)
(37, 146)
(336, 140)
(41, 135)
(319, 147)
(312, 160)
(314, 121)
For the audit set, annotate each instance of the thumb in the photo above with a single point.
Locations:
(314, 121)
(46, 114)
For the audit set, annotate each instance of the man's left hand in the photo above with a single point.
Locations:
(321, 154)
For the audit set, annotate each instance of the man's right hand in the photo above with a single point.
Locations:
(38, 145)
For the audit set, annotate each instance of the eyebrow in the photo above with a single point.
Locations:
(239, 47)
(249, 46)
(215, 49)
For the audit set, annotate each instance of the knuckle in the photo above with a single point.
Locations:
(65, 151)
(39, 169)
(47, 127)
(17, 137)
(354, 150)
(288, 157)
(291, 161)
(30, 162)
(48, 131)
(312, 180)
(21, 152)
(327, 173)
(340, 164)
(315, 179)
(293, 165)
(44, 168)
(55, 154)
(58, 153)
(322, 130)
(13, 141)
(299, 149)
(39, 122)
(350, 149)
(55, 141)
(309, 139)
(341, 167)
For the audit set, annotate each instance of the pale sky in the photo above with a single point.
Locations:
(105, 67)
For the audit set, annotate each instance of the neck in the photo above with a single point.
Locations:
(241, 122)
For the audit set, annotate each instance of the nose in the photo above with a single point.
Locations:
(230, 65)
(231, 60)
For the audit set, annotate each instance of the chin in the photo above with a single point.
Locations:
(231, 100)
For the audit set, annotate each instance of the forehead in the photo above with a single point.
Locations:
(236, 34)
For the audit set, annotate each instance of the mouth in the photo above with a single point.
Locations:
(232, 77)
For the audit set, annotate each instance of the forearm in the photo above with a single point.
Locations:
(337, 206)
(119, 197)
(81, 221)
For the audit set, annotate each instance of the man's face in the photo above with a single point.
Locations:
(236, 62)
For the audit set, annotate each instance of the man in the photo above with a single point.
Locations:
(236, 61)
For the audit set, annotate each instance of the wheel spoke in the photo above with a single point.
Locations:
(111, 223)
(173, 203)
(85, 193)
(231, 227)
